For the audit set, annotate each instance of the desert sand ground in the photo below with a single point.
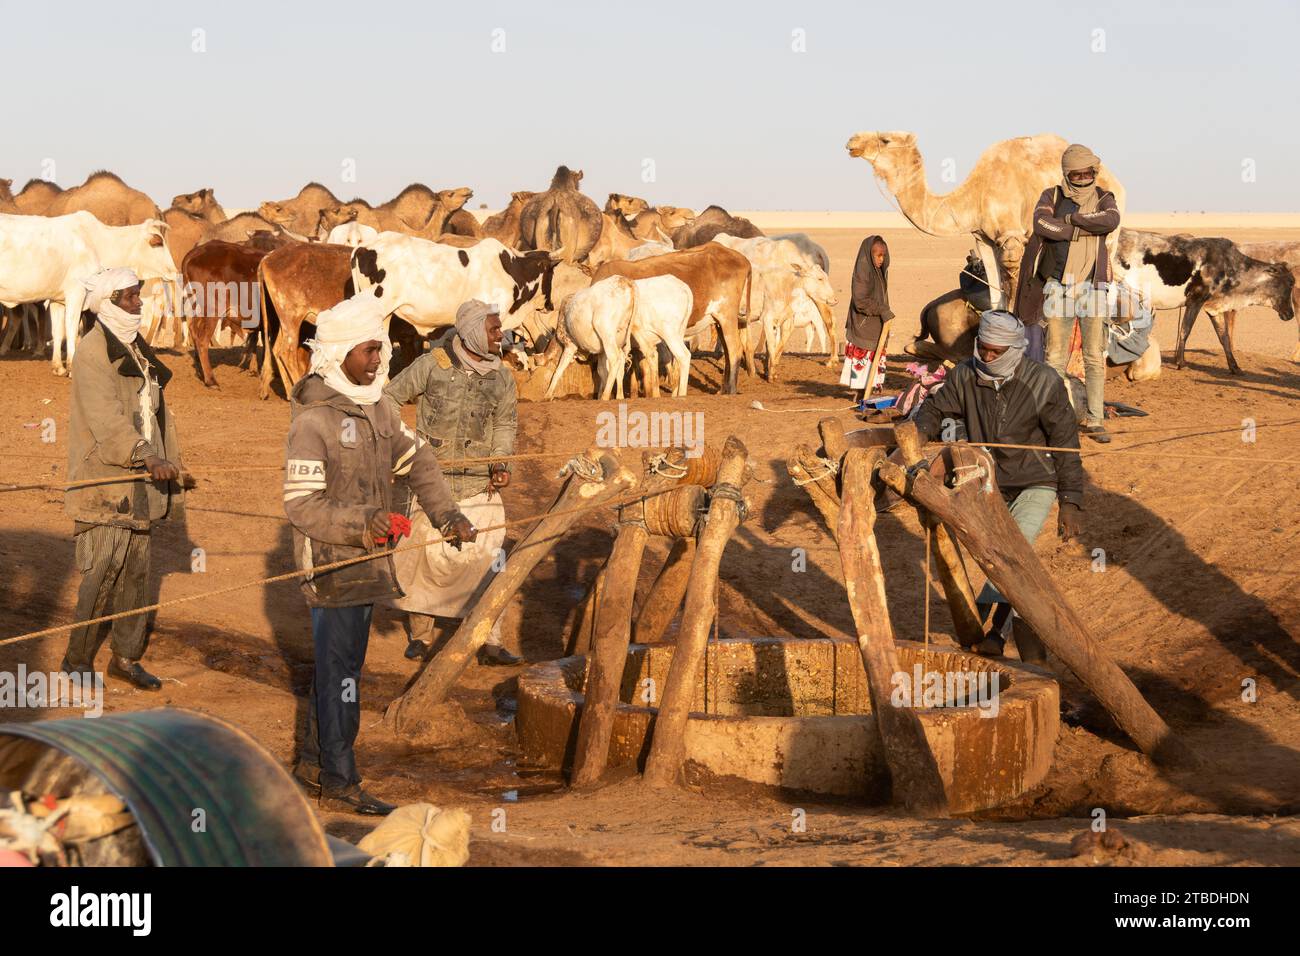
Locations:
(1198, 596)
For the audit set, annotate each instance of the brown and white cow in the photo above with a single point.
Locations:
(1208, 274)
(719, 279)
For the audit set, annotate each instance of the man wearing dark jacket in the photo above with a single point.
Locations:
(346, 444)
(1001, 396)
(1064, 275)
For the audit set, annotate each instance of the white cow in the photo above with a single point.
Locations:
(663, 307)
(48, 259)
(351, 234)
(425, 282)
(598, 321)
(812, 250)
(780, 269)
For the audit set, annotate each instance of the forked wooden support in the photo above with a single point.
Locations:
(600, 477)
(668, 747)
(979, 518)
(917, 784)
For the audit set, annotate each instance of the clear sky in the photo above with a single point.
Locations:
(730, 102)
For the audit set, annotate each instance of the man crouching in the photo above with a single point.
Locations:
(346, 443)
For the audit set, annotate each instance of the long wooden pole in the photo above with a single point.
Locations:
(979, 518)
(917, 784)
(613, 633)
(952, 572)
(665, 595)
(610, 479)
(668, 746)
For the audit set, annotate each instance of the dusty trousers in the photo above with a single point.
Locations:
(114, 566)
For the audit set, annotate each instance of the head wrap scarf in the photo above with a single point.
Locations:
(1000, 328)
(341, 329)
(471, 342)
(1081, 259)
(99, 288)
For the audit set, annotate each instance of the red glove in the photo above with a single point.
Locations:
(399, 526)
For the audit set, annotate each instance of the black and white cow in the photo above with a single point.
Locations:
(425, 282)
(1213, 275)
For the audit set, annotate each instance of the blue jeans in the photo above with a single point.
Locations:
(340, 636)
(1029, 509)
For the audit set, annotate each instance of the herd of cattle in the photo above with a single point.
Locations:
(627, 285)
(630, 282)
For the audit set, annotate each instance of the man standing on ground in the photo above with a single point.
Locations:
(1065, 272)
(120, 427)
(1001, 396)
(346, 444)
(465, 398)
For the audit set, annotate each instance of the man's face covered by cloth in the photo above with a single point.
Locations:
(999, 345)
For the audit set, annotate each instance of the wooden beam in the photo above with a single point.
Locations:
(953, 578)
(917, 784)
(665, 595)
(979, 518)
(668, 746)
(603, 477)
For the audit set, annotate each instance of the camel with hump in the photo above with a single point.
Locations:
(995, 203)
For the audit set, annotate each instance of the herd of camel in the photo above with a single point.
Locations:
(993, 206)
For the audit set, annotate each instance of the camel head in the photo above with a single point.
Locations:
(674, 217)
(879, 148)
(331, 216)
(275, 212)
(566, 178)
(455, 199)
(196, 202)
(5, 191)
(519, 198)
(629, 206)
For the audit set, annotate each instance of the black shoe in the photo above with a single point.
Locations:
(354, 800)
(416, 650)
(308, 775)
(87, 671)
(131, 671)
(1097, 433)
(494, 655)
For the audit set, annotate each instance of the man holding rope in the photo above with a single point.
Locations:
(1000, 395)
(466, 409)
(119, 425)
(346, 445)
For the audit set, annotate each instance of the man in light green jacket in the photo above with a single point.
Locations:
(120, 427)
(466, 402)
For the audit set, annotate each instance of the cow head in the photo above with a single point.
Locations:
(150, 257)
(529, 272)
(629, 206)
(1279, 287)
(814, 281)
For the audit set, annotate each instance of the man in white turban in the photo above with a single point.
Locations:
(119, 426)
(347, 444)
(466, 409)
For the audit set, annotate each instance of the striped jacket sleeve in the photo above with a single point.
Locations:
(306, 491)
(1104, 220)
(1045, 222)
